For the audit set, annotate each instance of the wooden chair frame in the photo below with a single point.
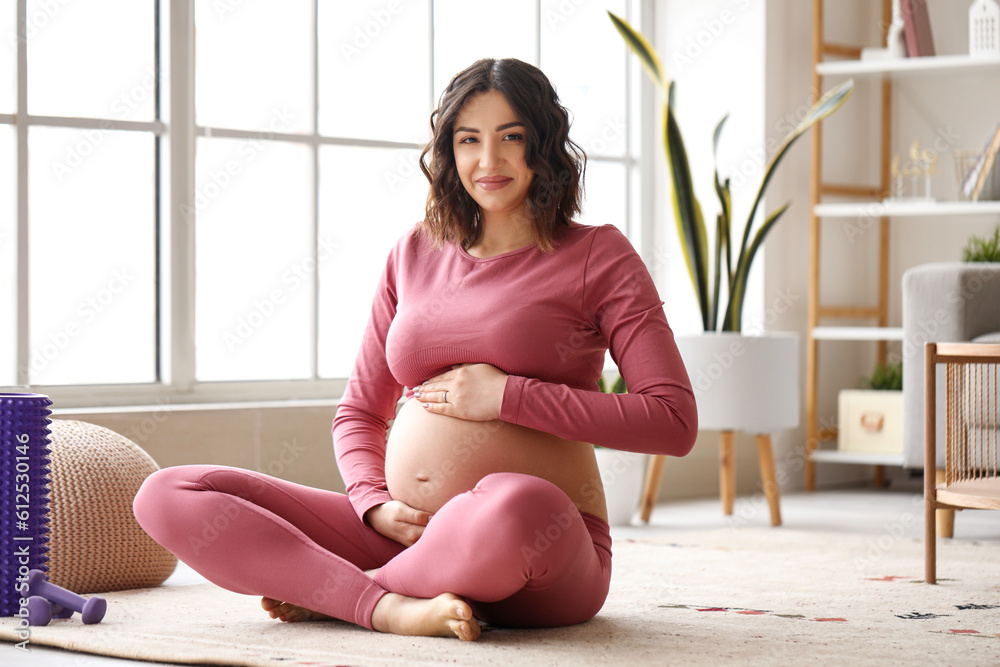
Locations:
(971, 477)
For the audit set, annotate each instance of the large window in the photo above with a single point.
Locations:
(122, 284)
(79, 193)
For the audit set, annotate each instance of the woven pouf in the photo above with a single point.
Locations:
(95, 543)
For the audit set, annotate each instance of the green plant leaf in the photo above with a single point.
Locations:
(886, 377)
(721, 188)
(722, 226)
(826, 105)
(728, 231)
(687, 211)
(986, 249)
(618, 387)
(643, 49)
(713, 305)
(715, 137)
(733, 320)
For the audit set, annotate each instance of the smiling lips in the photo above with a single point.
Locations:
(493, 182)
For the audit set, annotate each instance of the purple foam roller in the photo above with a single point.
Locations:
(24, 491)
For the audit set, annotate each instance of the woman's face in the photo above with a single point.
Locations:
(489, 145)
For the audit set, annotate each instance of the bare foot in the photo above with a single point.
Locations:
(289, 613)
(446, 615)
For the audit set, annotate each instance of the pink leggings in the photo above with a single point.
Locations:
(514, 547)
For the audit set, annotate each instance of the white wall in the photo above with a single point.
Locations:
(785, 262)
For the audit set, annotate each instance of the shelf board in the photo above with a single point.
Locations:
(858, 458)
(878, 209)
(909, 66)
(857, 333)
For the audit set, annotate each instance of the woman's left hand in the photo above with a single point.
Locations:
(468, 391)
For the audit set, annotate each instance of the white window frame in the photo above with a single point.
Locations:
(177, 134)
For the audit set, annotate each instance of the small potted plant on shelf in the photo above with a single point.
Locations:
(621, 472)
(871, 419)
(986, 249)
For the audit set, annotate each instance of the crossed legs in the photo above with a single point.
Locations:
(514, 548)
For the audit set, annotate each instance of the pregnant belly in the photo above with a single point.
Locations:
(431, 458)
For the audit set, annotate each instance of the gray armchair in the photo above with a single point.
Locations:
(951, 302)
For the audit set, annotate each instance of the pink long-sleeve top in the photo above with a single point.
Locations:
(545, 319)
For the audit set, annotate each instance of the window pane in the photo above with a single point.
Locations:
(254, 260)
(466, 31)
(8, 58)
(605, 195)
(92, 262)
(591, 83)
(254, 65)
(92, 59)
(8, 260)
(374, 69)
(369, 197)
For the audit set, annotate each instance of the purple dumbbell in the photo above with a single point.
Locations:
(59, 611)
(92, 609)
(41, 611)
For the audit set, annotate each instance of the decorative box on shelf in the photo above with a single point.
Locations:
(870, 421)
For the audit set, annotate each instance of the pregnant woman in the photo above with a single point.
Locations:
(492, 319)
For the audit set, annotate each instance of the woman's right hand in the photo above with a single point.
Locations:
(398, 521)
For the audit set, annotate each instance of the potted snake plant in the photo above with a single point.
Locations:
(741, 382)
(728, 369)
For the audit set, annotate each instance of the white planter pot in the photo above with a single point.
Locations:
(623, 474)
(744, 382)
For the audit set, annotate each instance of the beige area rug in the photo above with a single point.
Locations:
(742, 595)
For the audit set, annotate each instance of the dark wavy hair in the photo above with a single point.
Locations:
(557, 162)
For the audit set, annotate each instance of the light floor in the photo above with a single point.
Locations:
(870, 511)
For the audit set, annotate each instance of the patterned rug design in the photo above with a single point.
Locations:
(746, 595)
